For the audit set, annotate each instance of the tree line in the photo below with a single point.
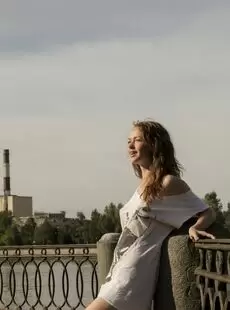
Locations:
(81, 230)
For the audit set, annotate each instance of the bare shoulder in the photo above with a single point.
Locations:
(173, 185)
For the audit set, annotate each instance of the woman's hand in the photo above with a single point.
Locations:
(195, 234)
(204, 220)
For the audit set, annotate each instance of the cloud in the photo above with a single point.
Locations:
(184, 68)
(35, 26)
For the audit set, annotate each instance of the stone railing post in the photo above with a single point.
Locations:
(179, 260)
(105, 249)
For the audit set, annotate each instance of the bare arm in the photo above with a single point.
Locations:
(174, 186)
(205, 219)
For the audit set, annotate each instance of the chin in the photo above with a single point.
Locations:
(135, 161)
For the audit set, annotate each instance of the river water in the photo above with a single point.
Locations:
(56, 283)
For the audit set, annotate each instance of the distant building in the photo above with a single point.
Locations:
(21, 221)
(59, 216)
(19, 206)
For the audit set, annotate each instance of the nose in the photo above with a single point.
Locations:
(131, 145)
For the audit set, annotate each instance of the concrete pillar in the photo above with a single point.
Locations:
(179, 259)
(105, 249)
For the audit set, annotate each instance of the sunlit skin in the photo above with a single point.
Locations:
(138, 150)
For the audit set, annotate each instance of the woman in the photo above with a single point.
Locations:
(162, 203)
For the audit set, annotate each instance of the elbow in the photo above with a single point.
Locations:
(209, 215)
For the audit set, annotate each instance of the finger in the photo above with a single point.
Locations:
(194, 237)
(211, 236)
(205, 234)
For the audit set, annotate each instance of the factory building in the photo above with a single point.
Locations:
(19, 206)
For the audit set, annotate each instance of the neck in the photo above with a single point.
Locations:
(145, 172)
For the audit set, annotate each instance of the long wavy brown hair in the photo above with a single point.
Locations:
(164, 161)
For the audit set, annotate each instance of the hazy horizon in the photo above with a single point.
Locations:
(74, 76)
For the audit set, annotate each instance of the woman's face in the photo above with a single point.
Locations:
(138, 150)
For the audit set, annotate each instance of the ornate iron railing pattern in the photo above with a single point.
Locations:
(48, 277)
(213, 274)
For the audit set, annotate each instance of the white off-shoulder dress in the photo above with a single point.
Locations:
(131, 282)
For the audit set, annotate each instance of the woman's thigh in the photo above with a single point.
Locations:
(100, 304)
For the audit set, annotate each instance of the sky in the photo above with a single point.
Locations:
(74, 76)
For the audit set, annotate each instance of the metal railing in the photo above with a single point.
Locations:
(65, 277)
(48, 277)
(213, 274)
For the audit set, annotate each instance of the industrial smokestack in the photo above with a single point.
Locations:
(6, 178)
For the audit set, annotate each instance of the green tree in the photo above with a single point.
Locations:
(11, 236)
(65, 233)
(5, 221)
(27, 231)
(81, 229)
(111, 218)
(95, 230)
(227, 216)
(45, 234)
(82, 233)
(212, 200)
(81, 217)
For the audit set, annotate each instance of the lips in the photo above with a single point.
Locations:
(133, 153)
